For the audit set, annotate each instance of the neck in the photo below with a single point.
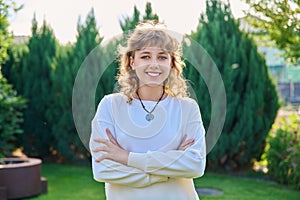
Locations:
(150, 93)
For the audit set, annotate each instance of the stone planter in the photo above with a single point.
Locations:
(20, 178)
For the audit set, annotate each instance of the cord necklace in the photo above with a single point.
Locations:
(149, 115)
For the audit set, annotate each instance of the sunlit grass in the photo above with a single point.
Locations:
(75, 182)
(251, 188)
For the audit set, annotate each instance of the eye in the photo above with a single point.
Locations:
(162, 57)
(145, 57)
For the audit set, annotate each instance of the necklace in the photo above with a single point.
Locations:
(149, 115)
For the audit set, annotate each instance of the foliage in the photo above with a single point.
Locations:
(12, 68)
(252, 101)
(31, 77)
(4, 35)
(149, 15)
(67, 144)
(44, 73)
(6, 7)
(283, 153)
(129, 23)
(11, 117)
(280, 18)
(11, 104)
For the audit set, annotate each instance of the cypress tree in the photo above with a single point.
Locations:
(252, 101)
(35, 86)
(149, 15)
(67, 143)
(129, 23)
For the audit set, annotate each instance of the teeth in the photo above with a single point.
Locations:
(153, 74)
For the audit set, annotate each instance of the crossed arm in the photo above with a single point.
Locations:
(113, 164)
(113, 151)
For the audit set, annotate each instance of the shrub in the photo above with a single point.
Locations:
(10, 116)
(283, 155)
(251, 96)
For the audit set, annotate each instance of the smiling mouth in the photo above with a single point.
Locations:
(153, 74)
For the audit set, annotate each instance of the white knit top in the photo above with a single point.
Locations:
(155, 168)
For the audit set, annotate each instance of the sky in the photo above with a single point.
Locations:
(62, 16)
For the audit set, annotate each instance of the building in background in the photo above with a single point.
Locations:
(285, 75)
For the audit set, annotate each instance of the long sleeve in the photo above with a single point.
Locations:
(110, 171)
(174, 163)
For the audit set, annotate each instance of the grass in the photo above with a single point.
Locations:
(75, 182)
(245, 188)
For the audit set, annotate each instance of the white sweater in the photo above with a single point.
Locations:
(155, 168)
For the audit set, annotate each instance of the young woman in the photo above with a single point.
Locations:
(148, 140)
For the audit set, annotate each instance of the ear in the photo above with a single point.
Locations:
(131, 62)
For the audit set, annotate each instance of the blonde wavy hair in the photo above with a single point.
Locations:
(151, 34)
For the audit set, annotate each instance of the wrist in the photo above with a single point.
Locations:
(126, 155)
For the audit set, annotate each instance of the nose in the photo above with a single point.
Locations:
(154, 63)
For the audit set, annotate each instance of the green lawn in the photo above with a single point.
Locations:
(76, 183)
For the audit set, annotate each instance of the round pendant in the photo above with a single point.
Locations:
(149, 116)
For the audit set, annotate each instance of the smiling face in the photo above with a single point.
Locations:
(152, 66)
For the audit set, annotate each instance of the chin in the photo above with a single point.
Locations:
(151, 84)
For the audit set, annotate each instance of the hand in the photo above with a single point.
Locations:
(184, 144)
(112, 150)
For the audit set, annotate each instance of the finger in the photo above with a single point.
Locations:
(103, 148)
(188, 143)
(111, 138)
(183, 142)
(101, 158)
(103, 141)
(183, 138)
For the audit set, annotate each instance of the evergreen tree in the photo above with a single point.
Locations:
(67, 142)
(11, 69)
(149, 15)
(88, 38)
(34, 85)
(252, 100)
(130, 23)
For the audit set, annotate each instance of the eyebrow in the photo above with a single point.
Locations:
(148, 52)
